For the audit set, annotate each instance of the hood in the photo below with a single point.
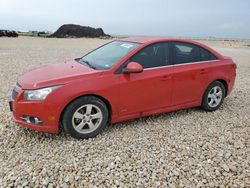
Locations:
(55, 74)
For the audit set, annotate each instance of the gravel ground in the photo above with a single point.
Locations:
(188, 148)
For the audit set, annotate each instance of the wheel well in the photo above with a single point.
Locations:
(225, 85)
(106, 102)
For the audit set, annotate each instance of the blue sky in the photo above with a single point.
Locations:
(184, 18)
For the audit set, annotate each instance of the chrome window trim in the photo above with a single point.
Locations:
(197, 62)
(18, 85)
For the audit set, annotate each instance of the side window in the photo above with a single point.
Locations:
(155, 55)
(185, 53)
(206, 55)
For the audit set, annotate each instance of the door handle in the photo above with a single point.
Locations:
(165, 78)
(203, 71)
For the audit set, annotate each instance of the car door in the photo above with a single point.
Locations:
(189, 73)
(150, 89)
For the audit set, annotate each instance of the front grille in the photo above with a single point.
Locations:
(14, 94)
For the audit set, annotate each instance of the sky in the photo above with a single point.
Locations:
(176, 18)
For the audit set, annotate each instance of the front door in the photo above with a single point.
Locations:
(150, 89)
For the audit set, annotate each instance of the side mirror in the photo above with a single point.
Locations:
(133, 67)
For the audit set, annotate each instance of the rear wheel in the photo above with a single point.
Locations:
(85, 117)
(214, 96)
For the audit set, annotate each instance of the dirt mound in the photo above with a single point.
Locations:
(77, 31)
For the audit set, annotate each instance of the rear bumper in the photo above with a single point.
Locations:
(230, 89)
(231, 85)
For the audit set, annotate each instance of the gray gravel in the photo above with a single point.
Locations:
(188, 148)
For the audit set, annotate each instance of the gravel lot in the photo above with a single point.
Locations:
(188, 148)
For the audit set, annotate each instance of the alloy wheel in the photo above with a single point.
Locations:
(215, 96)
(87, 118)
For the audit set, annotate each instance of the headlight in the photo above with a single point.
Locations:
(39, 94)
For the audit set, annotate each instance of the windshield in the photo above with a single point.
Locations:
(108, 55)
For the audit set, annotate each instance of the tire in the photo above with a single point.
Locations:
(85, 117)
(213, 96)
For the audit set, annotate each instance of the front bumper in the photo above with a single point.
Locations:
(41, 128)
(45, 111)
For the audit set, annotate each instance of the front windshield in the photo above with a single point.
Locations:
(108, 55)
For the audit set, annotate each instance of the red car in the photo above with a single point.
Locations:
(124, 79)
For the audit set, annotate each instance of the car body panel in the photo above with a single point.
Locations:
(55, 74)
(152, 82)
(153, 91)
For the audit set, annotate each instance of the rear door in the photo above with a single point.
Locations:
(190, 71)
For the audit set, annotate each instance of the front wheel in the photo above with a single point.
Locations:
(214, 96)
(85, 117)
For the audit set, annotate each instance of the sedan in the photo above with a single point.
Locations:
(121, 80)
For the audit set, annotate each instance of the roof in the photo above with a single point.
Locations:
(142, 39)
(148, 40)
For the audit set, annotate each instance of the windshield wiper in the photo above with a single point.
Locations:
(88, 63)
